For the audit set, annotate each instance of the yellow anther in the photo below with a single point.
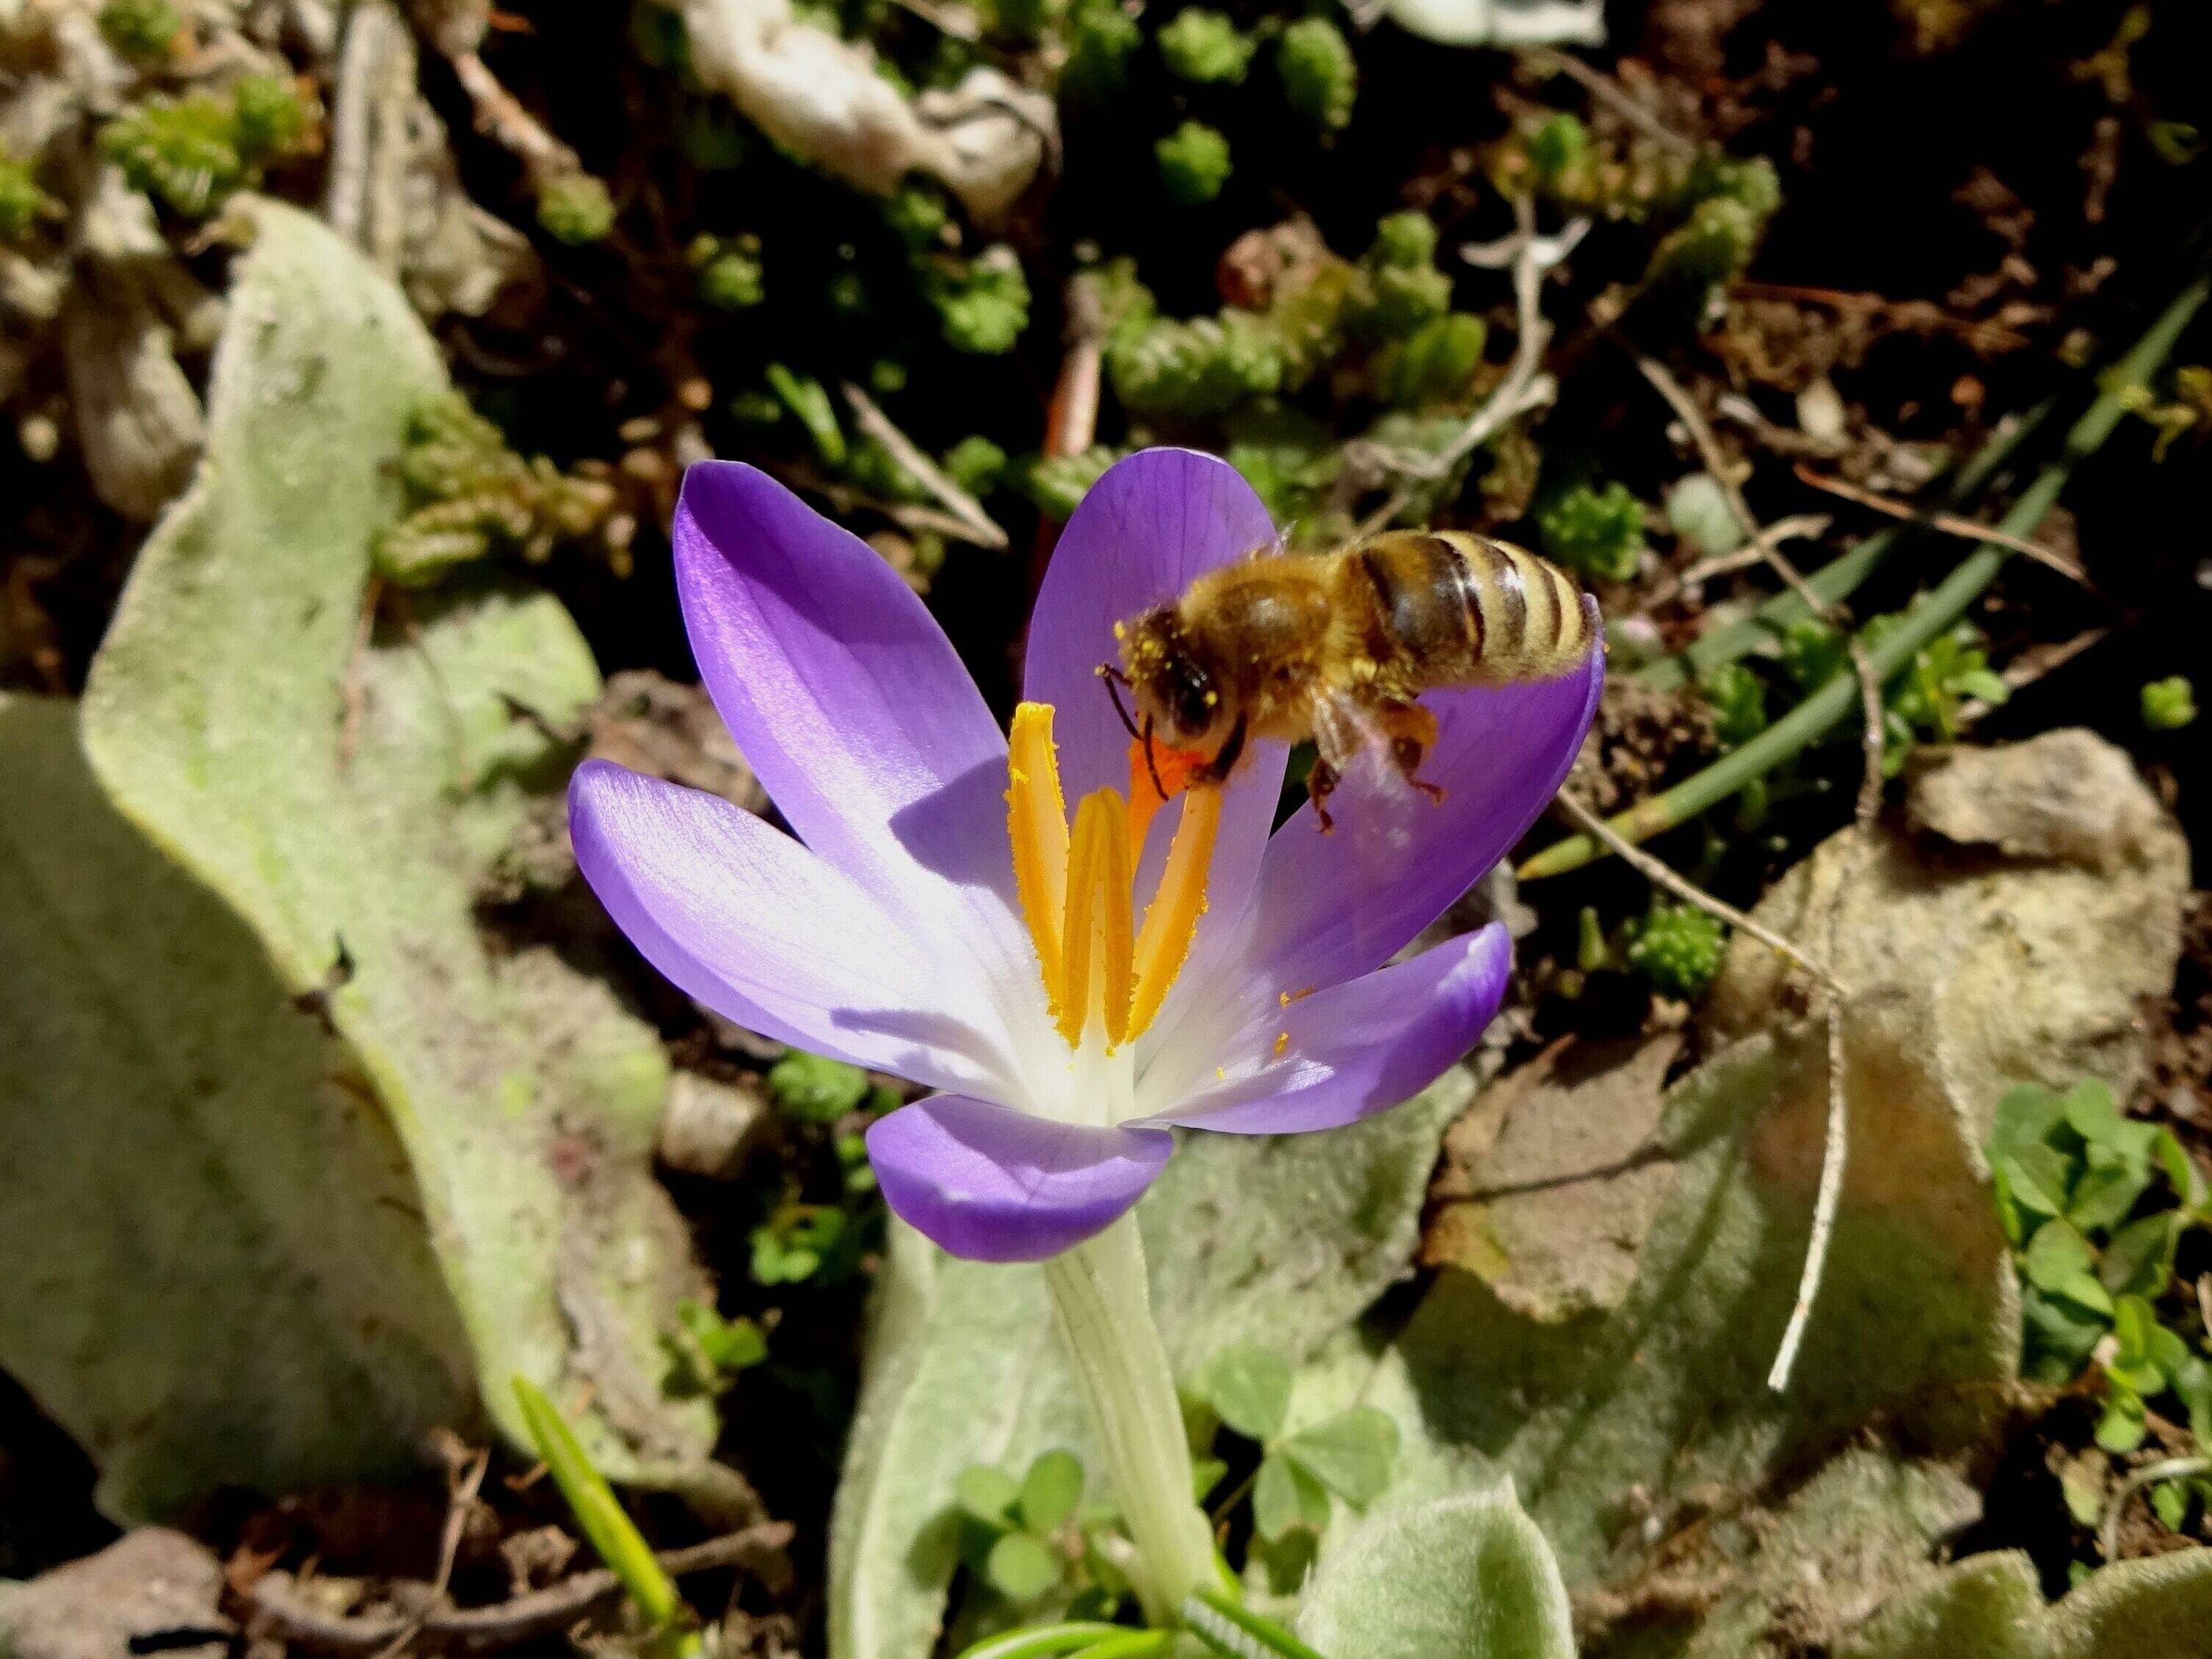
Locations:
(1076, 887)
(1037, 825)
(1097, 976)
(1171, 919)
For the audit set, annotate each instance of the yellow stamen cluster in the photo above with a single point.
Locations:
(1077, 889)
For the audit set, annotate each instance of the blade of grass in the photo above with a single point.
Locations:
(1930, 616)
(610, 1530)
(1227, 1626)
(1044, 1641)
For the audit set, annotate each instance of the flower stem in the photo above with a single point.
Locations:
(1935, 612)
(1106, 1315)
(1218, 1620)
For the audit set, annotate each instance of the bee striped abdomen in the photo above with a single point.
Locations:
(1449, 608)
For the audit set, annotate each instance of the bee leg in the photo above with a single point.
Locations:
(1336, 741)
(1320, 783)
(1225, 758)
(1413, 731)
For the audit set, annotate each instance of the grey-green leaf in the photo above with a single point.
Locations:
(217, 1270)
(1991, 1607)
(1051, 1489)
(1021, 1568)
(1250, 1387)
(347, 796)
(1351, 1453)
(1667, 1392)
(1285, 1496)
(1465, 1578)
(987, 1494)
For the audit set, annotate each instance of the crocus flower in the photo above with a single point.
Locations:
(937, 916)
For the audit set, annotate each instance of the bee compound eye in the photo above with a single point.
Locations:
(1194, 702)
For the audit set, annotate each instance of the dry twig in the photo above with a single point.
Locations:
(1660, 874)
(1836, 1151)
(276, 1607)
(2166, 1468)
(1802, 526)
(501, 116)
(1072, 420)
(1610, 93)
(977, 526)
(1525, 387)
(1951, 524)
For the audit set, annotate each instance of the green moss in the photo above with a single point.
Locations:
(729, 272)
(1812, 654)
(815, 1090)
(1194, 162)
(1289, 457)
(1205, 48)
(1402, 300)
(712, 141)
(1434, 364)
(1320, 79)
(1196, 369)
(1403, 289)
(269, 118)
(193, 152)
(575, 208)
(1057, 482)
(22, 204)
(1738, 697)
(1598, 534)
(186, 151)
(974, 464)
(142, 30)
(2169, 704)
(468, 495)
(1557, 145)
(1404, 241)
(1678, 947)
(983, 304)
(1732, 199)
(875, 469)
(1102, 38)
(917, 214)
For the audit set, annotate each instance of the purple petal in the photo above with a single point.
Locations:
(848, 701)
(993, 1184)
(1149, 527)
(1349, 1052)
(1331, 907)
(765, 933)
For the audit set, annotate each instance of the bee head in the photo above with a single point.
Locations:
(1172, 680)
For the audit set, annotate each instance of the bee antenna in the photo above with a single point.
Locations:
(1151, 765)
(1115, 681)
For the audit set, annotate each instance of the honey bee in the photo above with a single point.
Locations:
(1339, 649)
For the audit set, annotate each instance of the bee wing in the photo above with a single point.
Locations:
(1375, 810)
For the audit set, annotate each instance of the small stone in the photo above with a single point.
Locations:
(2066, 794)
(709, 1126)
(154, 1589)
